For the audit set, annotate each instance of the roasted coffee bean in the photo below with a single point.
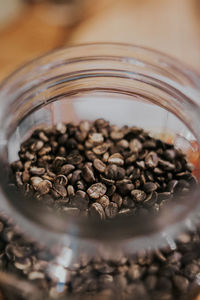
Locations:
(138, 195)
(104, 201)
(66, 169)
(88, 174)
(101, 149)
(114, 172)
(60, 189)
(125, 186)
(44, 187)
(111, 190)
(149, 187)
(99, 165)
(117, 199)
(74, 158)
(116, 159)
(135, 145)
(97, 190)
(128, 202)
(80, 200)
(181, 283)
(61, 179)
(96, 138)
(96, 210)
(111, 210)
(151, 160)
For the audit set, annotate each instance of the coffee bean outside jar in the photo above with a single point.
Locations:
(144, 274)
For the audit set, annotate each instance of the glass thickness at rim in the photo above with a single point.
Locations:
(98, 62)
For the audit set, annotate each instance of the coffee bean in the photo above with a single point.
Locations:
(36, 181)
(138, 195)
(117, 199)
(134, 272)
(96, 210)
(181, 283)
(149, 187)
(66, 169)
(96, 138)
(104, 201)
(125, 186)
(114, 172)
(61, 179)
(44, 187)
(99, 165)
(101, 149)
(111, 190)
(151, 160)
(74, 158)
(96, 190)
(116, 159)
(80, 200)
(111, 210)
(60, 189)
(88, 174)
(116, 135)
(135, 145)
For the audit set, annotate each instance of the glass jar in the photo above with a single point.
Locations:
(69, 257)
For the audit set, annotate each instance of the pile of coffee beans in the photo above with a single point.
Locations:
(100, 170)
(164, 274)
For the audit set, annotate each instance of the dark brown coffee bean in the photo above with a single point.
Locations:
(101, 149)
(111, 190)
(44, 187)
(140, 164)
(66, 169)
(134, 272)
(37, 171)
(138, 195)
(131, 159)
(125, 186)
(88, 174)
(166, 165)
(96, 190)
(135, 145)
(106, 180)
(74, 158)
(128, 202)
(80, 200)
(151, 199)
(151, 160)
(150, 282)
(60, 189)
(170, 154)
(116, 159)
(117, 199)
(104, 201)
(36, 181)
(116, 135)
(61, 128)
(149, 187)
(111, 210)
(97, 211)
(114, 172)
(149, 144)
(61, 179)
(96, 138)
(181, 283)
(99, 165)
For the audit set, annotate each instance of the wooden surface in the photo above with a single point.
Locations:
(172, 26)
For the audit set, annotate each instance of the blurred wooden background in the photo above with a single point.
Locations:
(172, 26)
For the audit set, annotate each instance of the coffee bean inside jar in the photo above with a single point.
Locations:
(102, 171)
